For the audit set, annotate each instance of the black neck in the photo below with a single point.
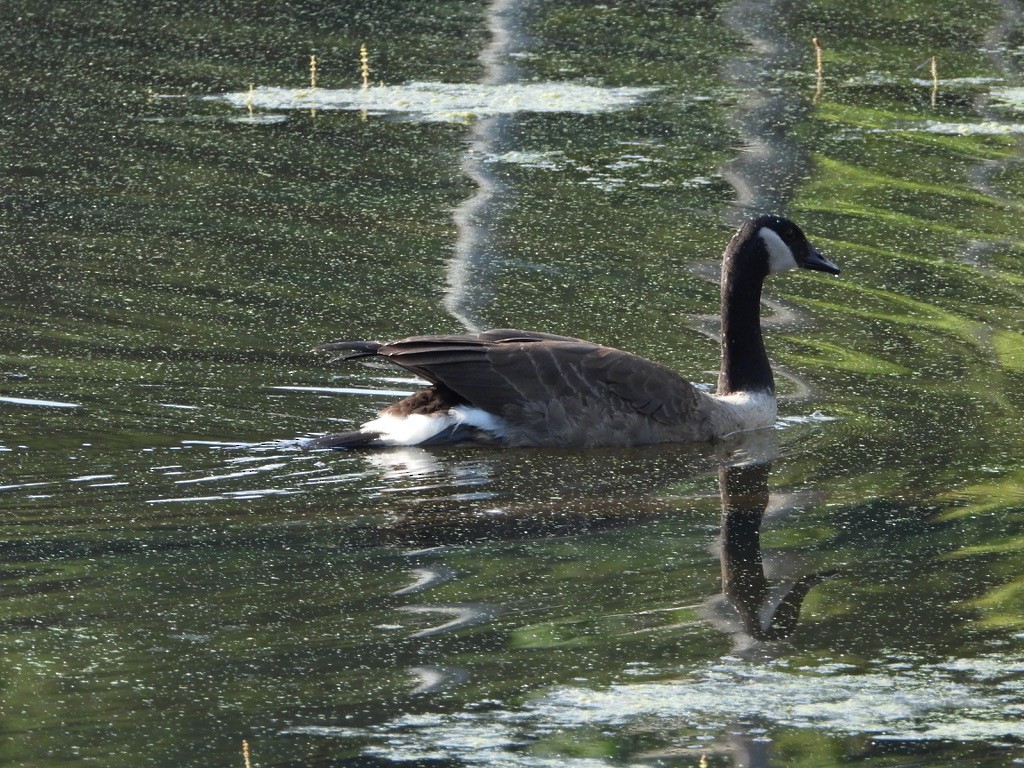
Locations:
(745, 366)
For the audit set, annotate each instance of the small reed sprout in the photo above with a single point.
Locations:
(312, 70)
(245, 754)
(820, 68)
(364, 65)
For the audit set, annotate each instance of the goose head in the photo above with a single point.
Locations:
(777, 245)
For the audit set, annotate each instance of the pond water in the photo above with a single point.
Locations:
(185, 215)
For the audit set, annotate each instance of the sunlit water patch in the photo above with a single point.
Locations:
(231, 472)
(443, 102)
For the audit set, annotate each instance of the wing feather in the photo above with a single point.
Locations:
(539, 381)
(651, 388)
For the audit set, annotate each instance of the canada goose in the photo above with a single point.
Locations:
(522, 388)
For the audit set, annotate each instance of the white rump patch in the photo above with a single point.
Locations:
(780, 255)
(418, 428)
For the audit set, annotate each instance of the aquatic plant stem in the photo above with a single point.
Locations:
(820, 84)
(364, 65)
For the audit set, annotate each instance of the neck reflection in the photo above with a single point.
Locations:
(767, 612)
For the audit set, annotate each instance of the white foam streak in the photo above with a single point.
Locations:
(444, 102)
(38, 403)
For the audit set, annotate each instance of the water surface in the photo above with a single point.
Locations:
(180, 577)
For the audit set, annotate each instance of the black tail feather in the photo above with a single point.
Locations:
(354, 349)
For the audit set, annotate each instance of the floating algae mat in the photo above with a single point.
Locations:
(899, 702)
(1010, 97)
(985, 128)
(444, 101)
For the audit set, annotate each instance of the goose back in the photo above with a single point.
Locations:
(547, 389)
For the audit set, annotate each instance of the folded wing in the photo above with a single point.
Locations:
(549, 390)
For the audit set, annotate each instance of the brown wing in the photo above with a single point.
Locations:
(650, 388)
(522, 375)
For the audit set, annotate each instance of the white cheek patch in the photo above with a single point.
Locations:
(780, 255)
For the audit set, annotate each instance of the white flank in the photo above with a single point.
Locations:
(780, 255)
(479, 418)
(407, 430)
(745, 411)
(418, 428)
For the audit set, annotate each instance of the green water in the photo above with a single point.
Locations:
(179, 577)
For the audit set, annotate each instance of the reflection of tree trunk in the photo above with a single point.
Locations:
(997, 44)
(750, 753)
(471, 271)
(771, 164)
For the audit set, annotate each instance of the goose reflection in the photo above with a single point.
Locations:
(439, 499)
(765, 612)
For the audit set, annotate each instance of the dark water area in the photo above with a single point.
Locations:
(184, 215)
